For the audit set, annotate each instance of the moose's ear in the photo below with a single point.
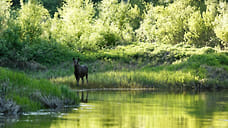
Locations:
(78, 59)
(73, 58)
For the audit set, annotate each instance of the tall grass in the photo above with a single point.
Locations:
(207, 70)
(21, 88)
(143, 79)
(135, 79)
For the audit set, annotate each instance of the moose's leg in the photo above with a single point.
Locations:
(87, 78)
(77, 81)
(82, 80)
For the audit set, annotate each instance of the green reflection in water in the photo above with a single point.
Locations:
(141, 109)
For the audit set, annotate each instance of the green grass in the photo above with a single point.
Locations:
(21, 88)
(134, 79)
(162, 66)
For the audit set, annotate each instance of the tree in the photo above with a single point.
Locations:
(33, 20)
(221, 23)
(72, 21)
(166, 24)
(121, 18)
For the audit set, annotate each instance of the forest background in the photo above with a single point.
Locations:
(30, 29)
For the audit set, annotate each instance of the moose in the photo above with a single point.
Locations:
(80, 71)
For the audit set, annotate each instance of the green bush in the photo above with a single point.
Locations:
(194, 25)
(34, 22)
(47, 53)
(221, 22)
(166, 24)
(10, 43)
(201, 29)
(4, 14)
(71, 22)
(115, 23)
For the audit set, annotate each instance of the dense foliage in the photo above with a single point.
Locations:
(37, 27)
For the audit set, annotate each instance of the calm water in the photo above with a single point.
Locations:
(136, 109)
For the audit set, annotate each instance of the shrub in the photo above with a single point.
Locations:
(165, 24)
(72, 21)
(10, 43)
(221, 22)
(120, 18)
(33, 20)
(4, 14)
(182, 21)
(201, 27)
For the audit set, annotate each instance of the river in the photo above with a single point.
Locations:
(135, 109)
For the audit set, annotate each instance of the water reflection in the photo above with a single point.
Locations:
(84, 99)
(145, 109)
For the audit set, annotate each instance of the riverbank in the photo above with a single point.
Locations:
(21, 93)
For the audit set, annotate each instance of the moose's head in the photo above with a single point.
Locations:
(76, 61)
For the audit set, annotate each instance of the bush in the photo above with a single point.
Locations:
(221, 22)
(48, 53)
(194, 25)
(165, 24)
(71, 22)
(116, 23)
(33, 20)
(4, 15)
(10, 43)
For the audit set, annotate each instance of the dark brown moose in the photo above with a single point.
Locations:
(80, 71)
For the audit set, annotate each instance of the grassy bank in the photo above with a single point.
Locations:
(163, 66)
(32, 94)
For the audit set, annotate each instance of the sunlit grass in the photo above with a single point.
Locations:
(205, 70)
(143, 79)
(134, 79)
(21, 88)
